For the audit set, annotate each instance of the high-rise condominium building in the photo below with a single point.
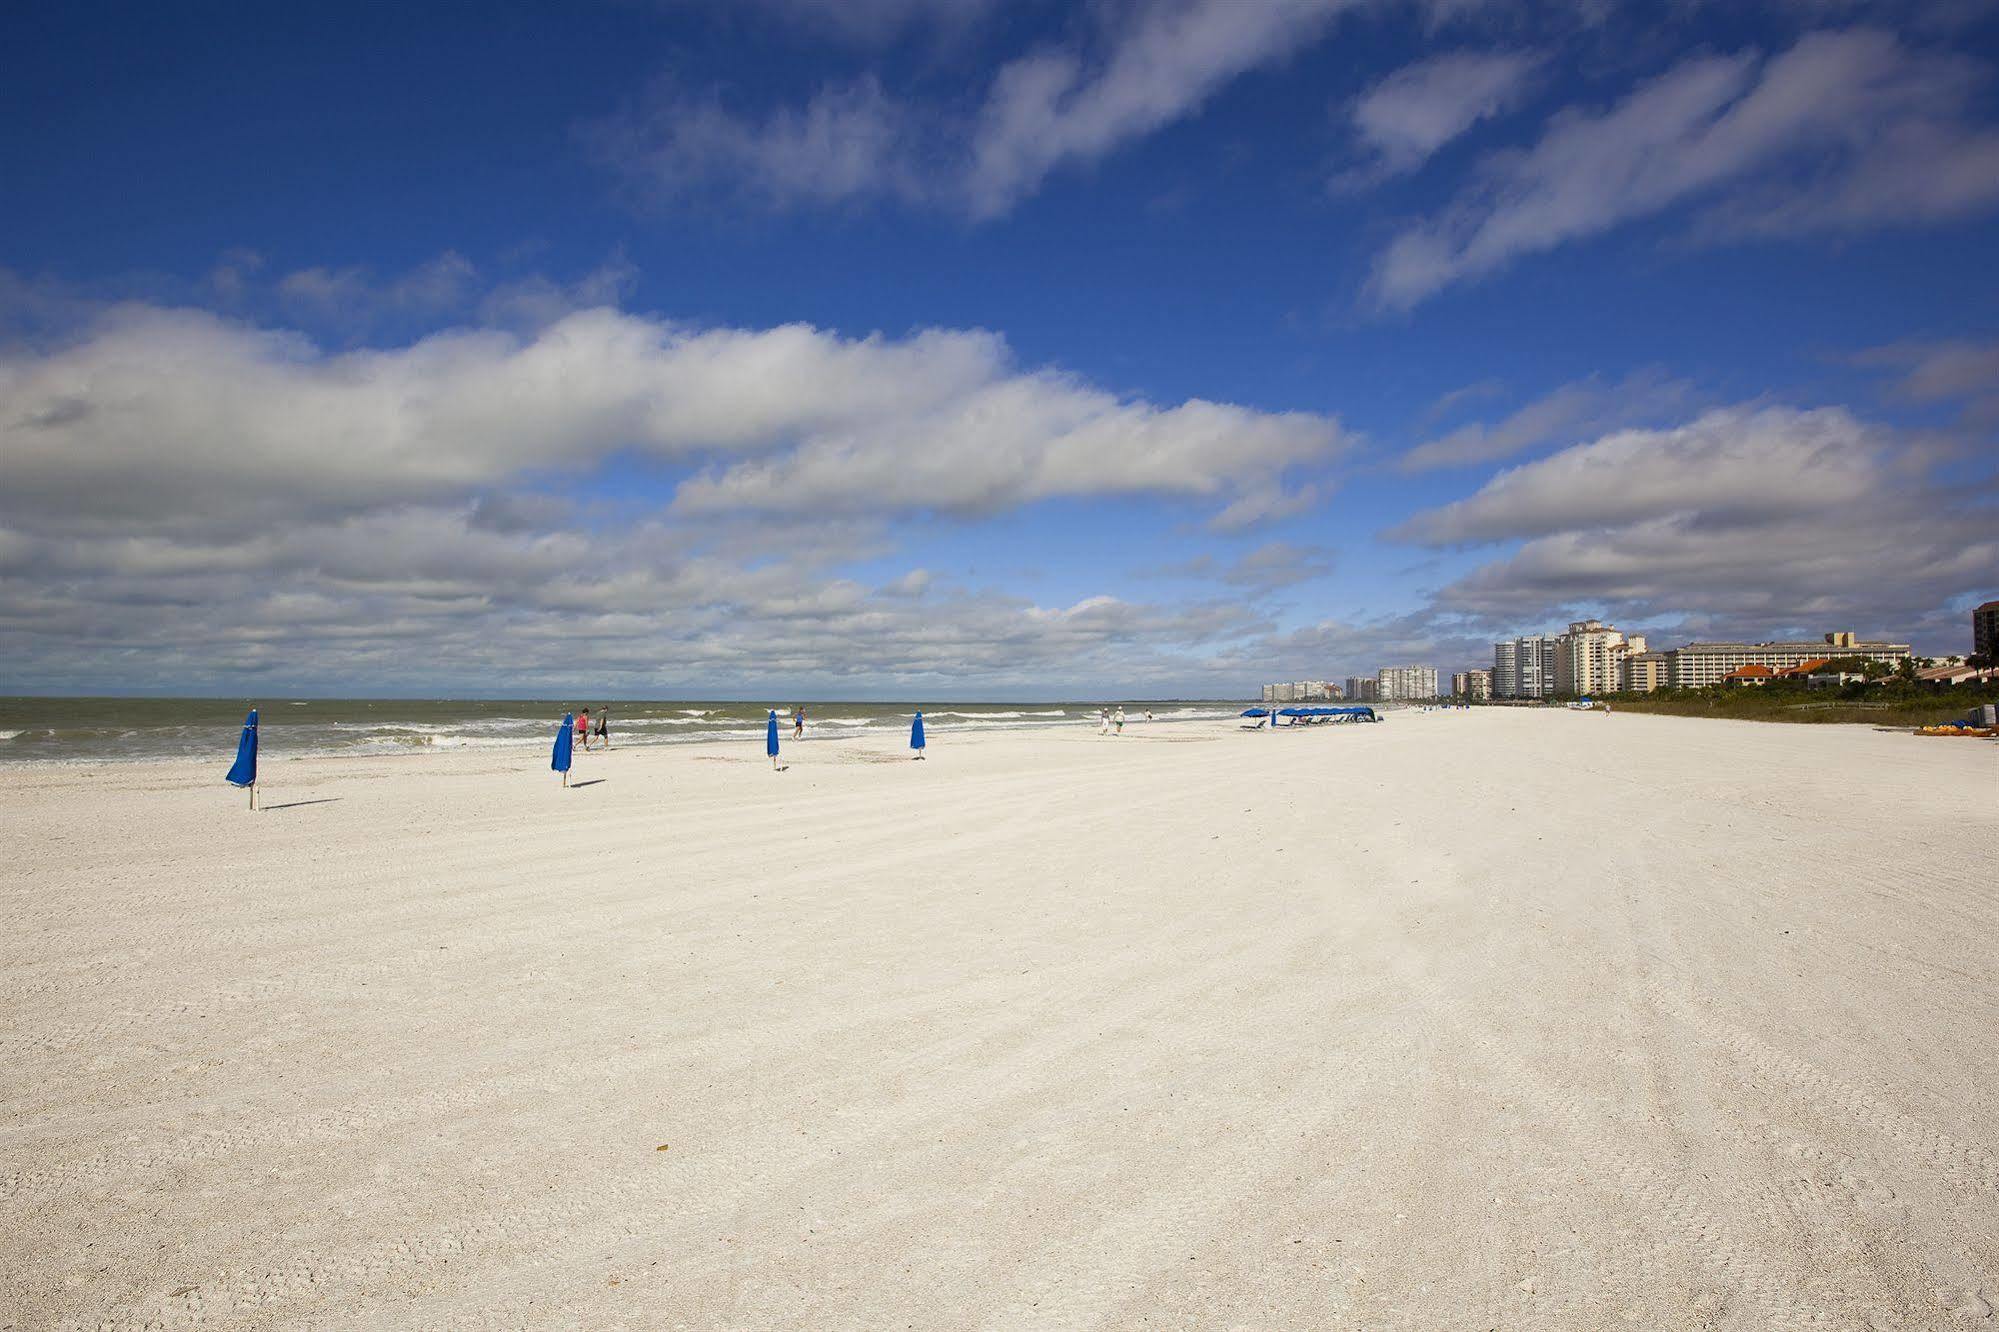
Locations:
(1505, 669)
(1406, 682)
(1361, 689)
(1478, 685)
(1985, 631)
(1698, 665)
(1301, 691)
(1524, 668)
(1586, 658)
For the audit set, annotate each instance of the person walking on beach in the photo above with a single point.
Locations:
(1118, 721)
(797, 721)
(604, 725)
(583, 729)
(1103, 721)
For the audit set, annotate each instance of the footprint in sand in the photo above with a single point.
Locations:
(1967, 1304)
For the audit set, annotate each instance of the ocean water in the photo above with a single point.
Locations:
(100, 729)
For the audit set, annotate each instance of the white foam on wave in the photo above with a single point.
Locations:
(667, 721)
(9, 735)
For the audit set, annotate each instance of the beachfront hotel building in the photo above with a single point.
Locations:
(1586, 658)
(1474, 684)
(1985, 631)
(1698, 665)
(1361, 689)
(1524, 667)
(1395, 683)
(1641, 672)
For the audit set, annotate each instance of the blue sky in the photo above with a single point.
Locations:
(936, 347)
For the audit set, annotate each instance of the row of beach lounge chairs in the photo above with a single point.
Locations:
(1276, 717)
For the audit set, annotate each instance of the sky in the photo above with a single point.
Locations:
(983, 348)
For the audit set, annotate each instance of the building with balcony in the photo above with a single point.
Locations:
(1985, 632)
(1524, 667)
(1472, 685)
(1406, 683)
(1586, 658)
(1698, 665)
(1641, 672)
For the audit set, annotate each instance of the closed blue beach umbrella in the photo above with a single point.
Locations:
(770, 739)
(916, 735)
(565, 741)
(244, 773)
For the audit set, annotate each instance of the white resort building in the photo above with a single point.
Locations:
(1698, 665)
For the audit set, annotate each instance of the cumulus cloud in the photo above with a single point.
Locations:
(1409, 115)
(1733, 463)
(1746, 520)
(160, 418)
(192, 497)
(1584, 406)
(1844, 131)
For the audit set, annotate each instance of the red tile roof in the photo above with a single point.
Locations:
(1807, 667)
(1753, 671)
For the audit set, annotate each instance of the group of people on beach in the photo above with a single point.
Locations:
(601, 729)
(1111, 721)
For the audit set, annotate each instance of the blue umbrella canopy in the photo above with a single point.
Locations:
(770, 736)
(244, 773)
(565, 739)
(1255, 712)
(916, 732)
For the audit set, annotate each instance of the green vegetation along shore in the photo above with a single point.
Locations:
(1894, 703)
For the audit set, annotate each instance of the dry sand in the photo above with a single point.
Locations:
(1477, 1020)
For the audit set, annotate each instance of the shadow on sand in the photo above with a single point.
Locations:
(296, 804)
(594, 781)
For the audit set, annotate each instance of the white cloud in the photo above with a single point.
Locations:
(1413, 112)
(192, 498)
(1845, 130)
(876, 22)
(850, 141)
(1578, 408)
(353, 295)
(1143, 67)
(1161, 63)
(1956, 371)
(161, 418)
(1746, 520)
(1733, 463)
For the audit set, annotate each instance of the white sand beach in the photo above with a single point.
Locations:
(1466, 1020)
